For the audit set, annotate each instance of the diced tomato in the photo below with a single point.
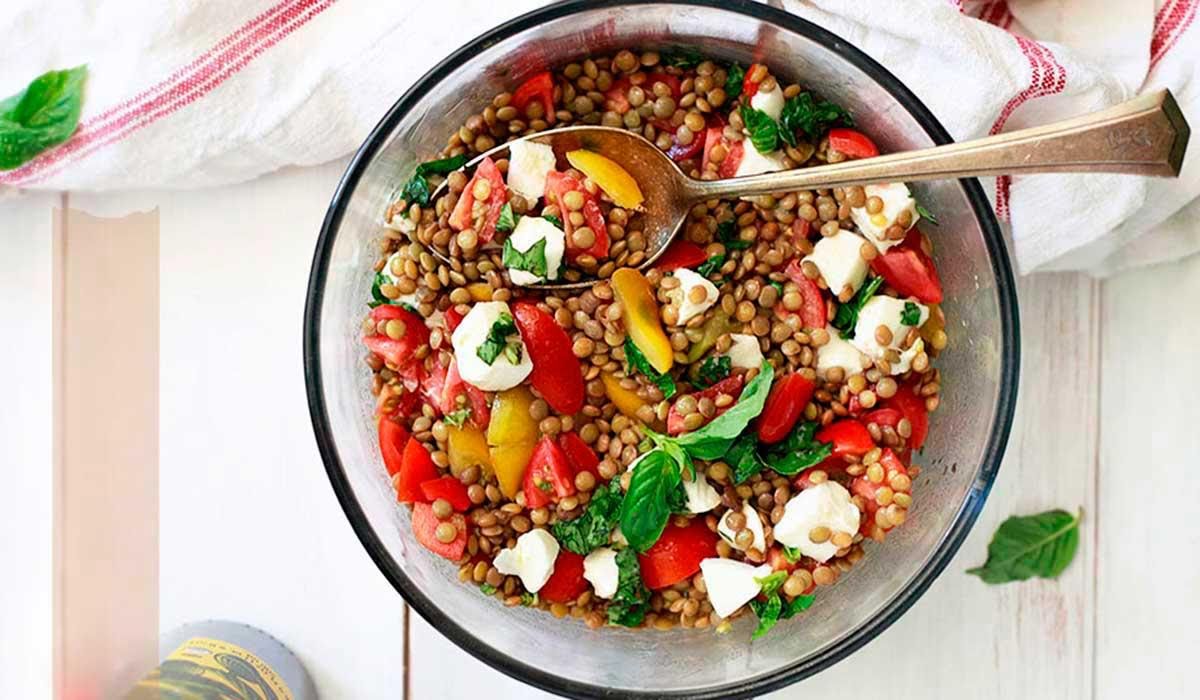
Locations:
(557, 185)
(671, 81)
(801, 229)
(848, 436)
(712, 136)
(677, 554)
(779, 561)
(813, 307)
(908, 270)
(448, 488)
(883, 417)
(566, 582)
(580, 455)
(456, 386)
(425, 525)
(679, 254)
(853, 143)
(731, 385)
(541, 88)
(556, 373)
(393, 438)
(869, 490)
(734, 150)
(462, 217)
(749, 87)
(548, 478)
(453, 318)
(912, 407)
(398, 353)
(416, 467)
(784, 406)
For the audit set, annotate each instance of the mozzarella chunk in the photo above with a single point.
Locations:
(825, 505)
(528, 165)
(888, 312)
(471, 333)
(601, 570)
(754, 163)
(701, 496)
(896, 199)
(752, 521)
(838, 353)
(839, 258)
(530, 230)
(769, 102)
(400, 222)
(532, 560)
(731, 584)
(689, 280)
(745, 352)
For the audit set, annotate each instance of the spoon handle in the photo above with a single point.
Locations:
(1143, 136)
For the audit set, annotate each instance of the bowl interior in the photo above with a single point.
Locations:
(958, 462)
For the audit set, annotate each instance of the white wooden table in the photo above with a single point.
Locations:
(1107, 421)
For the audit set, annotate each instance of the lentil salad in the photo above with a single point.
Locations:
(671, 448)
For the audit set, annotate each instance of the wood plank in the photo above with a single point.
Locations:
(1147, 619)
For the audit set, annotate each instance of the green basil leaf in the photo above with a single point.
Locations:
(638, 362)
(797, 605)
(529, 600)
(764, 132)
(681, 57)
(804, 113)
(487, 589)
(847, 314)
(377, 297)
(727, 235)
(554, 220)
(743, 458)
(926, 214)
(594, 528)
(417, 189)
(792, 554)
(647, 505)
(497, 341)
(772, 582)
(911, 316)
(41, 116)
(710, 267)
(457, 418)
(507, 221)
(445, 166)
(713, 370)
(711, 441)
(532, 260)
(799, 451)
(778, 287)
(768, 614)
(1040, 545)
(735, 76)
(631, 601)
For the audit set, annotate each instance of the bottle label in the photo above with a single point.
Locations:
(210, 668)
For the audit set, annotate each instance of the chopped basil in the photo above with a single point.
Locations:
(727, 235)
(487, 589)
(457, 418)
(764, 132)
(631, 601)
(804, 113)
(799, 451)
(736, 75)
(594, 528)
(681, 57)
(1041, 545)
(507, 221)
(772, 582)
(792, 554)
(925, 213)
(776, 609)
(911, 316)
(713, 440)
(847, 314)
(711, 266)
(638, 362)
(497, 342)
(417, 189)
(713, 370)
(529, 600)
(377, 297)
(554, 220)
(778, 287)
(532, 260)
(41, 116)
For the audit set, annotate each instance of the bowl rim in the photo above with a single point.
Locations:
(802, 668)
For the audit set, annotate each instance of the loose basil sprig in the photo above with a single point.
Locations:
(637, 361)
(41, 116)
(1040, 545)
(847, 314)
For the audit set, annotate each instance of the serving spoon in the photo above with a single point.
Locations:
(1143, 136)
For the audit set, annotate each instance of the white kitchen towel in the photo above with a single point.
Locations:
(192, 94)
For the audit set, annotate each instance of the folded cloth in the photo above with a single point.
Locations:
(206, 93)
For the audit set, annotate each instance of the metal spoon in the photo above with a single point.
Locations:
(1143, 136)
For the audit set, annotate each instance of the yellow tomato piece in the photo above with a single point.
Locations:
(480, 291)
(639, 311)
(509, 462)
(510, 421)
(627, 401)
(935, 323)
(608, 176)
(467, 448)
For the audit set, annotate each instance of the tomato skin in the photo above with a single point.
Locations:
(853, 143)
(397, 352)
(449, 488)
(848, 436)
(453, 318)
(883, 417)
(749, 87)
(393, 438)
(556, 373)
(539, 87)
(734, 150)
(454, 386)
(566, 582)
(580, 455)
(868, 490)
(679, 254)
(416, 467)
(785, 404)
(801, 229)
(548, 477)
(559, 184)
(911, 407)
(908, 270)
(813, 307)
(461, 218)
(731, 385)
(425, 524)
(677, 554)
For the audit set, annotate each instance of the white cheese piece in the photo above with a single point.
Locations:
(532, 560)
(530, 230)
(839, 258)
(838, 353)
(896, 199)
(745, 353)
(473, 332)
(688, 281)
(731, 584)
(754, 163)
(387, 266)
(701, 496)
(400, 222)
(827, 505)
(528, 165)
(601, 570)
(752, 521)
(769, 102)
(888, 311)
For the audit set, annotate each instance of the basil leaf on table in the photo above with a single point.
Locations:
(1040, 545)
(804, 113)
(594, 528)
(713, 370)
(631, 601)
(735, 76)
(846, 317)
(639, 363)
(649, 500)
(764, 132)
(41, 116)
